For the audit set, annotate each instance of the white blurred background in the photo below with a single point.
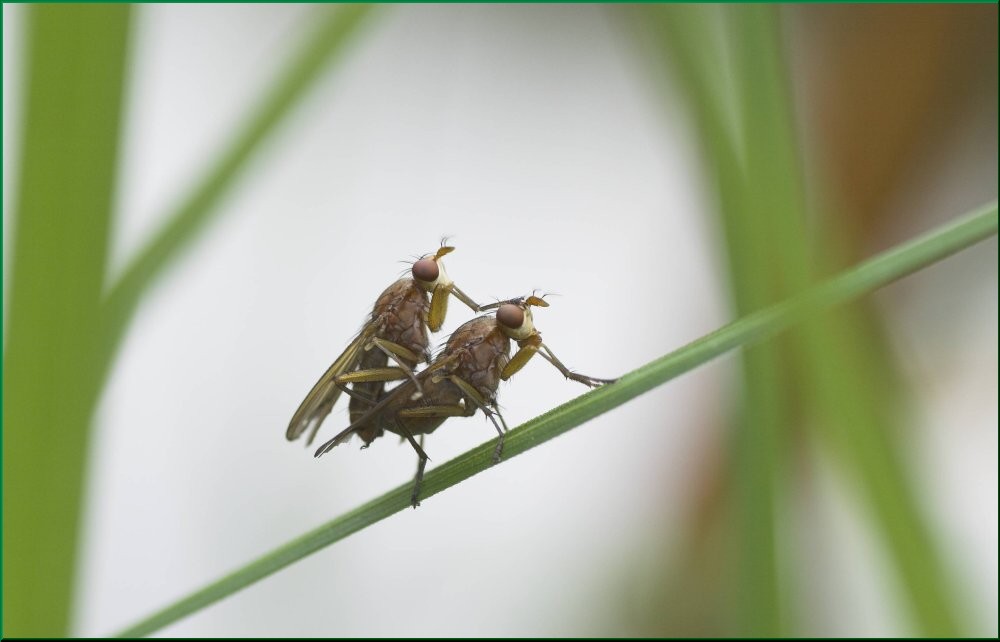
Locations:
(534, 138)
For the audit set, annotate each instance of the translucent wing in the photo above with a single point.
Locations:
(395, 394)
(321, 399)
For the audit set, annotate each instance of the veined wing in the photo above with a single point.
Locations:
(321, 399)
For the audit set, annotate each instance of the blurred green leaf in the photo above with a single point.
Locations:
(835, 373)
(825, 373)
(759, 326)
(335, 25)
(75, 70)
(765, 243)
(739, 103)
(62, 336)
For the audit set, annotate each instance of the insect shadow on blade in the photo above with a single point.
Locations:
(462, 379)
(397, 329)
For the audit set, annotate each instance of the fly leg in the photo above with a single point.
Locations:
(528, 349)
(419, 476)
(466, 299)
(593, 382)
(398, 353)
(442, 411)
(532, 346)
(421, 463)
(402, 356)
(488, 407)
(439, 304)
(373, 412)
(361, 376)
(392, 373)
(354, 394)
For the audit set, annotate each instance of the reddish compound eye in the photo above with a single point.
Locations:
(425, 270)
(510, 315)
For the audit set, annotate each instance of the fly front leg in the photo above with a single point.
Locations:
(466, 299)
(527, 349)
(593, 382)
(533, 345)
(439, 307)
(439, 304)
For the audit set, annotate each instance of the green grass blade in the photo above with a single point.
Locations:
(834, 369)
(740, 105)
(335, 26)
(825, 370)
(765, 230)
(75, 70)
(862, 279)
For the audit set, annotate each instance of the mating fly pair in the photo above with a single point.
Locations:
(462, 379)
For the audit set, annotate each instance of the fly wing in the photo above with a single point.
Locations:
(392, 397)
(321, 399)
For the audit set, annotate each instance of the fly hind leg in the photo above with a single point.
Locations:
(371, 375)
(422, 459)
(426, 412)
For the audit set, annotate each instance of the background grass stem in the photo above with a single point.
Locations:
(75, 69)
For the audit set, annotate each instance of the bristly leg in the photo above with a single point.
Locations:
(421, 465)
(417, 481)
(495, 410)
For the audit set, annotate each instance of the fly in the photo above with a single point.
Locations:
(396, 329)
